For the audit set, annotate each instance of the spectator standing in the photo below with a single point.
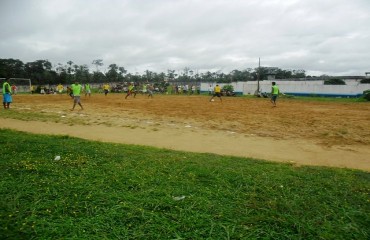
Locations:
(210, 90)
(14, 89)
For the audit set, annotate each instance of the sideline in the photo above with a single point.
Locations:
(300, 152)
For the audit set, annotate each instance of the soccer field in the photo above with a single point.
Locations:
(308, 132)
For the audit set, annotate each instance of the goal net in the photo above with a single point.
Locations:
(21, 85)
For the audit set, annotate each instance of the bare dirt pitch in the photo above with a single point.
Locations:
(297, 131)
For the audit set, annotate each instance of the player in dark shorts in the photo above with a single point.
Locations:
(216, 93)
(274, 94)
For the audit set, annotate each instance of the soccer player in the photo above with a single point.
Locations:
(60, 88)
(69, 91)
(274, 93)
(87, 89)
(216, 93)
(145, 88)
(76, 89)
(7, 95)
(131, 90)
(150, 90)
(106, 89)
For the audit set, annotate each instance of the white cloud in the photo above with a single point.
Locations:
(327, 37)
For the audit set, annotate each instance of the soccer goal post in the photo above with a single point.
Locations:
(22, 84)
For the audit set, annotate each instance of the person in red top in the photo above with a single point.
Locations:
(14, 89)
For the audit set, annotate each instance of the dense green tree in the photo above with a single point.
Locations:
(98, 63)
(12, 68)
(40, 72)
(82, 74)
(133, 77)
(115, 73)
(283, 74)
(170, 74)
(208, 77)
(62, 75)
(183, 78)
(121, 73)
(98, 77)
(300, 73)
(147, 76)
(70, 71)
(223, 78)
(237, 76)
(112, 74)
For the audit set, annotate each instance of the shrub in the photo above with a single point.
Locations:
(366, 80)
(334, 81)
(366, 94)
(228, 87)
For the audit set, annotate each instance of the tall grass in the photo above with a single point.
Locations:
(113, 191)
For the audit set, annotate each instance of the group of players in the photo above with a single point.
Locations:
(274, 93)
(76, 89)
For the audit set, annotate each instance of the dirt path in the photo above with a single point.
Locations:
(295, 131)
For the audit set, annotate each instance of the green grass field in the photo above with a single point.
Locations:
(113, 191)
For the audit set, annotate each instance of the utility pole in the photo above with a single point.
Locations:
(258, 77)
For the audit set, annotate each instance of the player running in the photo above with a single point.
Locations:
(106, 88)
(150, 89)
(131, 90)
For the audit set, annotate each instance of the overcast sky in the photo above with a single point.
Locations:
(320, 36)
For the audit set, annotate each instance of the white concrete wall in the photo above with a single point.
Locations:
(238, 86)
(352, 88)
(306, 88)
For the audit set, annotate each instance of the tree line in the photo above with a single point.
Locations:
(44, 72)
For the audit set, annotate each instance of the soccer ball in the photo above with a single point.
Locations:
(212, 100)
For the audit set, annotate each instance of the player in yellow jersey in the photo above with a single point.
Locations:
(216, 93)
(106, 88)
(60, 88)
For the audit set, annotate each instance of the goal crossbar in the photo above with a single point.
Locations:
(22, 79)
